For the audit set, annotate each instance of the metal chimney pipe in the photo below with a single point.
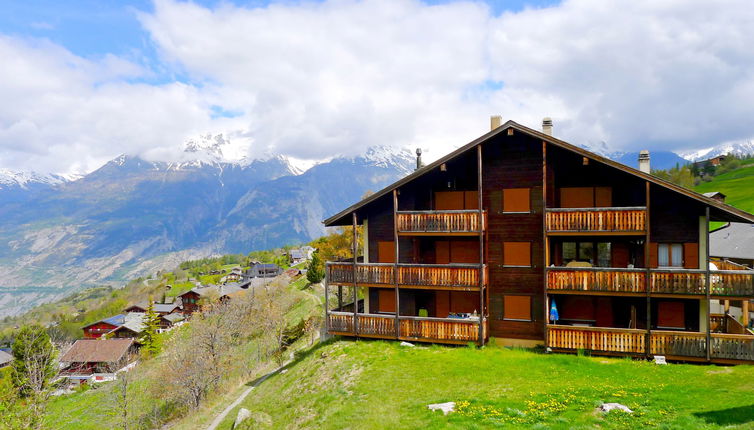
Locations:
(419, 163)
(547, 125)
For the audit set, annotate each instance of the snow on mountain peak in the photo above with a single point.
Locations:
(740, 147)
(25, 179)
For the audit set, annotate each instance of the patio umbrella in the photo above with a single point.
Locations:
(554, 311)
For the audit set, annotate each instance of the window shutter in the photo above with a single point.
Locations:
(496, 201)
(653, 254)
(691, 255)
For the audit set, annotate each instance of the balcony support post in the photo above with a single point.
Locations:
(546, 242)
(340, 297)
(707, 280)
(647, 277)
(481, 244)
(327, 305)
(395, 266)
(355, 296)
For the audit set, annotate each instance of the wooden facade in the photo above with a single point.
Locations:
(485, 241)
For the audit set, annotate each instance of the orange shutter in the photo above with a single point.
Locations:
(448, 200)
(471, 200)
(442, 252)
(670, 315)
(517, 308)
(603, 197)
(386, 300)
(577, 197)
(516, 200)
(653, 262)
(464, 252)
(517, 254)
(386, 251)
(691, 255)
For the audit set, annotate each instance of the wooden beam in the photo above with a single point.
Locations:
(707, 281)
(481, 243)
(395, 265)
(647, 223)
(545, 242)
(355, 284)
(327, 305)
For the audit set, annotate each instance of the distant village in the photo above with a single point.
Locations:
(111, 345)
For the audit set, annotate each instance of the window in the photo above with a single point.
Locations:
(517, 254)
(516, 200)
(517, 308)
(671, 315)
(585, 251)
(386, 301)
(670, 255)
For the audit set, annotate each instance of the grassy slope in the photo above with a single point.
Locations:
(92, 409)
(375, 384)
(737, 185)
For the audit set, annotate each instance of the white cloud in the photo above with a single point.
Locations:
(313, 79)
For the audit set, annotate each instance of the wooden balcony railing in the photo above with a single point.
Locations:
(723, 283)
(442, 330)
(678, 344)
(677, 281)
(590, 220)
(433, 276)
(673, 344)
(732, 346)
(732, 283)
(596, 279)
(597, 339)
(728, 265)
(439, 222)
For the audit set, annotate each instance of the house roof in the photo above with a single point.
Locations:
(5, 358)
(97, 351)
(735, 240)
(297, 253)
(723, 211)
(163, 308)
(115, 321)
(173, 318)
(713, 194)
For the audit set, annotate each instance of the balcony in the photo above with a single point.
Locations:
(421, 329)
(623, 221)
(588, 280)
(440, 223)
(676, 345)
(457, 277)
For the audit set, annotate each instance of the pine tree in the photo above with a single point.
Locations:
(316, 270)
(149, 340)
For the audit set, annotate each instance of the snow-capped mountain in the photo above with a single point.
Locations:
(26, 179)
(742, 147)
(133, 216)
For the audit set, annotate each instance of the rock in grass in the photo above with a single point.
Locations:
(444, 407)
(607, 407)
(243, 415)
(407, 344)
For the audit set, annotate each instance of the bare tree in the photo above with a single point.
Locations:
(35, 368)
(121, 399)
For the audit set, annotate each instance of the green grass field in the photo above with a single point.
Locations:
(381, 385)
(737, 185)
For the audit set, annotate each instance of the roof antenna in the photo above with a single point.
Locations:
(419, 163)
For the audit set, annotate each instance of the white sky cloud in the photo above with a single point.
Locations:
(315, 79)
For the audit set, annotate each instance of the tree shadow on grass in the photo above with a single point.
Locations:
(730, 416)
(298, 357)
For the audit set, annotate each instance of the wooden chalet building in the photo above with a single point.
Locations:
(517, 227)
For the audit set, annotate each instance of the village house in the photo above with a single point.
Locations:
(534, 241)
(262, 270)
(158, 308)
(296, 256)
(97, 360)
(194, 298)
(127, 325)
(6, 358)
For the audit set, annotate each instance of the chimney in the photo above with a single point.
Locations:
(644, 161)
(495, 122)
(547, 125)
(419, 163)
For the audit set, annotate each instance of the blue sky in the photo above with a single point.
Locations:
(84, 81)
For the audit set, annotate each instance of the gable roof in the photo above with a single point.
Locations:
(97, 351)
(736, 214)
(5, 358)
(735, 240)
